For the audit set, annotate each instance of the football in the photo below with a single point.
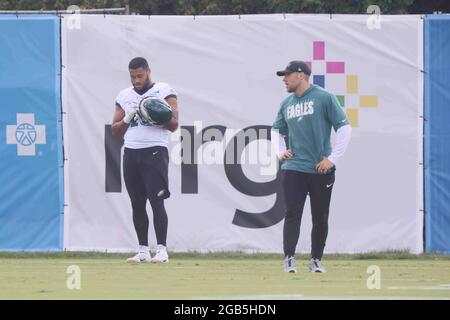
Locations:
(155, 111)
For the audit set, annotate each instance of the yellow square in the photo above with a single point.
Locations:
(368, 101)
(352, 115)
(352, 84)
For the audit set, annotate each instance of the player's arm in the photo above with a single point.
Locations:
(119, 126)
(278, 134)
(343, 135)
(341, 125)
(172, 125)
(281, 148)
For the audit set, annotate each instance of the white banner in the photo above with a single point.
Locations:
(223, 68)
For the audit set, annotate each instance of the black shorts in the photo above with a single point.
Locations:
(146, 173)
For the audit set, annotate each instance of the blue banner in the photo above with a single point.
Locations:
(437, 133)
(31, 174)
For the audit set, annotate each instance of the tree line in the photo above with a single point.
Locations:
(226, 7)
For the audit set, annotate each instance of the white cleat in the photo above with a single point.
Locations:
(140, 257)
(161, 255)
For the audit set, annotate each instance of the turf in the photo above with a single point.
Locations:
(222, 276)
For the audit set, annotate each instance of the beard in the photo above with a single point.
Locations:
(143, 88)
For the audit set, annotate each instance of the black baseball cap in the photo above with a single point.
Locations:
(295, 66)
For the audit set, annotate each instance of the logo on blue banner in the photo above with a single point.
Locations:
(26, 134)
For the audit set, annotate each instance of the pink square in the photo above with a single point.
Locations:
(335, 67)
(319, 50)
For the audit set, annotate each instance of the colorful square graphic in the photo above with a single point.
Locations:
(319, 80)
(368, 101)
(350, 84)
(319, 50)
(335, 67)
(341, 100)
(352, 115)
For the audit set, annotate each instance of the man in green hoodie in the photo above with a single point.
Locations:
(305, 118)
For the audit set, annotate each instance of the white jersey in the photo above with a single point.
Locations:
(138, 136)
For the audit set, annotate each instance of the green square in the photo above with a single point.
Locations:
(341, 100)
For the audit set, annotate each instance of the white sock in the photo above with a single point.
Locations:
(143, 249)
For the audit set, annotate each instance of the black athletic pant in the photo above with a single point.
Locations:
(297, 185)
(146, 177)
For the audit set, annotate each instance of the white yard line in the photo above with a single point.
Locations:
(303, 297)
(437, 287)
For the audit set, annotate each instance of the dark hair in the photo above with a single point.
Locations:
(138, 62)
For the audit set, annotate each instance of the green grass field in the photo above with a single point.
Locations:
(222, 276)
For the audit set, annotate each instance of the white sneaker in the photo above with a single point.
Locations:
(290, 265)
(143, 256)
(140, 257)
(161, 255)
(316, 266)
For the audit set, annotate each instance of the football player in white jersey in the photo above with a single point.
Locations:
(146, 157)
